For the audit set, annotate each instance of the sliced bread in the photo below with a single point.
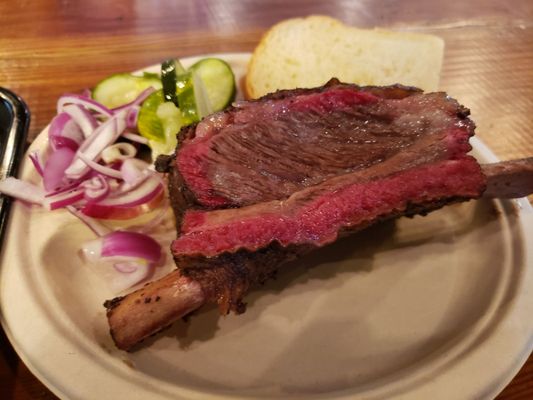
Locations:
(307, 52)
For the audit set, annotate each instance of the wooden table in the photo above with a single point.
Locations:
(49, 47)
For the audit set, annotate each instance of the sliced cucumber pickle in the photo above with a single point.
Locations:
(187, 99)
(218, 80)
(120, 89)
(148, 123)
(159, 121)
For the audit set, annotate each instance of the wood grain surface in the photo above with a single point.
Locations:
(50, 47)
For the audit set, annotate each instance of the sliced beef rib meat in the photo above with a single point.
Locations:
(268, 180)
(296, 169)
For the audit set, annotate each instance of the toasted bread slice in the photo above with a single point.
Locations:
(307, 52)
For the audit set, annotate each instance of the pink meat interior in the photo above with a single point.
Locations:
(317, 216)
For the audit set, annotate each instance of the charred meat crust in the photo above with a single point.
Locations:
(387, 92)
(227, 278)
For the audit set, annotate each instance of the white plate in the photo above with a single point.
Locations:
(431, 307)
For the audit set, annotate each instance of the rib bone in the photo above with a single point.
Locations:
(509, 179)
(149, 309)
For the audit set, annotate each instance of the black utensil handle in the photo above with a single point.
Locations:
(14, 124)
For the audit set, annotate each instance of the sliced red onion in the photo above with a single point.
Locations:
(58, 124)
(135, 179)
(54, 169)
(131, 172)
(96, 189)
(146, 191)
(64, 199)
(123, 244)
(85, 120)
(103, 136)
(82, 101)
(131, 244)
(95, 226)
(131, 117)
(22, 190)
(102, 169)
(135, 138)
(138, 201)
(95, 183)
(118, 152)
(61, 141)
(36, 161)
(130, 270)
(64, 132)
(71, 185)
(155, 221)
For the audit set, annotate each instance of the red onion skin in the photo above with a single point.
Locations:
(131, 117)
(102, 211)
(131, 244)
(58, 142)
(66, 200)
